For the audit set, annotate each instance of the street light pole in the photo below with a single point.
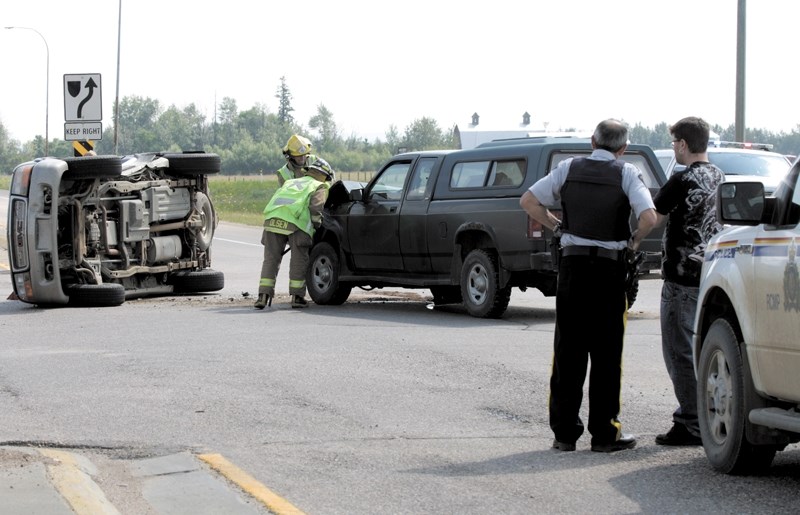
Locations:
(47, 92)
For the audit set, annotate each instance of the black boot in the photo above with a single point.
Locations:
(263, 301)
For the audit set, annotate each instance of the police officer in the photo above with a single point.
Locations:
(297, 152)
(596, 194)
(291, 215)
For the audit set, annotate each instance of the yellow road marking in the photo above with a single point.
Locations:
(76, 486)
(249, 484)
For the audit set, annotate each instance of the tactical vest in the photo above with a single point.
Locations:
(593, 203)
(290, 204)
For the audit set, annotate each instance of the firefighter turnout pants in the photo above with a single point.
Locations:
(274, 244)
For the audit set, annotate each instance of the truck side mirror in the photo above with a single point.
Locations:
(357, 195)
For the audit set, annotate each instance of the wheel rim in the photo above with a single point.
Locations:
(322, 272)
(205, 233)
(719, 396)
(477, 284)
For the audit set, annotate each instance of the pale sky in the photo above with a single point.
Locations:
(569, 63)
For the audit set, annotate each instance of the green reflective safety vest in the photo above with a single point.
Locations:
(290, 203)
(287, 174)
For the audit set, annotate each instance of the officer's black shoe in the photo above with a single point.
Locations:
(263, 301)
(678, 435)
(563, 446)
(299, 302)
(624, 442)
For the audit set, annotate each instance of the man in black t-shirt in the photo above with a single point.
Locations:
(687, 204)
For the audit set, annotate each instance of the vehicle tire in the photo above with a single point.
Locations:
(96, 295)
(93, 167)
(446, 295)
(205, 233)
(721, 409)
(322, 279)
(483, 297)
(632, 292)
(189, 163)
(197, 281)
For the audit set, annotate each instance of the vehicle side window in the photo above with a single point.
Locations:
(642, 164)
(389, 186)
(469, 175)
(507, 173)
(419, 187)
(557, 157)
(491, 174)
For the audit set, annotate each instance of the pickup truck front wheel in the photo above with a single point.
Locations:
(480, 289)
(323, 276)
(721, 408)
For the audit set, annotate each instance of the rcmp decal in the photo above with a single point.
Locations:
(721, 250)
(767, 247)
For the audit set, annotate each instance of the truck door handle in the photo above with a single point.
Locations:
(393, 209)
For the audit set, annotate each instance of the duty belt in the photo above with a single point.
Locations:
(590, 250)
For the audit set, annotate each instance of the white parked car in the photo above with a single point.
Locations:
(747, 327)
(744, 162)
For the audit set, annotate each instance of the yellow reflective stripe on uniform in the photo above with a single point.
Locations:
(266, 281)
(296, 284)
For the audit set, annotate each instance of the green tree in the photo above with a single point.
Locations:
(225, 125)
(137, 125)
(285, 108)
(328, 134)
(424, 134)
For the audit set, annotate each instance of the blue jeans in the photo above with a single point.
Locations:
(678, 304)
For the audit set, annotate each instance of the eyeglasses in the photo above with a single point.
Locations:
(675, 141)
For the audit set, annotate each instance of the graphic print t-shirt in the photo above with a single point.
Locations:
(689, 199)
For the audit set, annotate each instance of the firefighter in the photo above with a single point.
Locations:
(291, 216)
(298, 154)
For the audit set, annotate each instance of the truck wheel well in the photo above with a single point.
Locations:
(718, 305)
(468, 241)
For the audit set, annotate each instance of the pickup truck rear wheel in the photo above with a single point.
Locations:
(483, 297)
(322, 280)
(721, 409)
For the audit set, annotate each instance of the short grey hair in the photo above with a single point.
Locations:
(611, 135)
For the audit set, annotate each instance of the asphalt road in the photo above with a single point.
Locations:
(382, 405)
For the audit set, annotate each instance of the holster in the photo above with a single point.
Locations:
(555, 251)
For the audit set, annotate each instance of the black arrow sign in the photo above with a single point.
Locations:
(90, 85)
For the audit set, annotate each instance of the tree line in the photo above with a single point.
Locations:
(249, 141)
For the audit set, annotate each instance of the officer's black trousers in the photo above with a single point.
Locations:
(590, 325)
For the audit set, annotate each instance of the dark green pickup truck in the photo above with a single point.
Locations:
(450, 221)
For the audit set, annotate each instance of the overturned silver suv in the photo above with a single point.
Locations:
(97, 230)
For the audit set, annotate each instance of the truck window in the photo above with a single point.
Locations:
(507, 173)
(469, 175)
(389, 185)
(419, 187)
